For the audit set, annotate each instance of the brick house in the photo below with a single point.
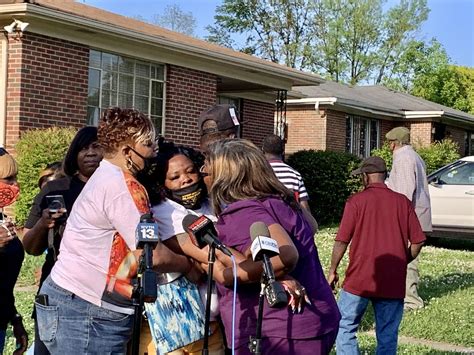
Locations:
(73, 60)
(338, 117)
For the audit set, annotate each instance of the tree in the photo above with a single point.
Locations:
(280, 31)
(345, 40)
(174, 19)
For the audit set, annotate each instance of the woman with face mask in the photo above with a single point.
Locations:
(176, 189)
(11, 255)
(44, 229)
(85, 305)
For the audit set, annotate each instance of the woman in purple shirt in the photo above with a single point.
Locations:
(245, 190)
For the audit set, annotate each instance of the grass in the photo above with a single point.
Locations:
(446, 285)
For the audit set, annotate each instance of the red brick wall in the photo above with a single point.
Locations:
(385, 127)
(420, 133)
(47, 84)
(336, 131)
(188, 93)
(458, 135)
(306, 128)
(258, 120)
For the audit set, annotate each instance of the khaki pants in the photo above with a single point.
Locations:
(412, 298)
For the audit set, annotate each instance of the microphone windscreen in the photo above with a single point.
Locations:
(188, 220)
(259, 229)
(146, 217)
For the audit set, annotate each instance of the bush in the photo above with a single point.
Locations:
(327, 178)
(435, 156)
(36, 149)
(438, 154)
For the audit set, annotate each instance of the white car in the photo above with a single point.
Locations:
(452, 197)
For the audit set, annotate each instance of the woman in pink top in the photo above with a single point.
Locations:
(85, 306)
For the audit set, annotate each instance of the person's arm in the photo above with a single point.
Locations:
(249, 271)
(19, 333)
(35, 240)
(414, 250)
(338, 252)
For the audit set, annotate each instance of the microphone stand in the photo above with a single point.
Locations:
(211, 258)
(255, 341)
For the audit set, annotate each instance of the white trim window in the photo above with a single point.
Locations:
(116, 80)
(362, 135)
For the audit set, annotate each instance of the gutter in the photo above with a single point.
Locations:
(3, 90)
(49, 14)
(312, 100)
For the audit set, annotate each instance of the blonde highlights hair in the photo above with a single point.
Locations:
(124, 126)
(240, 172)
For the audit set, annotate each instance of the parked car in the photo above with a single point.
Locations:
(452, 198)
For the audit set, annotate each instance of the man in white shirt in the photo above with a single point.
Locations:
(408, 177)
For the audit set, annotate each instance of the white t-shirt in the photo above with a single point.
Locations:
(169, 215)
(95, 261)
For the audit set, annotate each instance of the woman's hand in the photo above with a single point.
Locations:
(297, 292)
(195, 273)
(21, 336)
(48, 219)
(7, 233)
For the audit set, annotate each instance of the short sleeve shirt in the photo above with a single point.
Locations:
(290, 178)
(96, 260)
(378, 223)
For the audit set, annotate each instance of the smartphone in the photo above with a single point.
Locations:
(42, 299)
(55, 203)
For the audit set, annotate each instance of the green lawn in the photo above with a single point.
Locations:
(447, 286)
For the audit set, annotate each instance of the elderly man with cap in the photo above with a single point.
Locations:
(384, 236)
(408, 177)
(218, 122)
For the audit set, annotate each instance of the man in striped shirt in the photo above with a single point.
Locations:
(273, 148)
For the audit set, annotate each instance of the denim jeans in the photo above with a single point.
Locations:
(388, 315)
(71, 325)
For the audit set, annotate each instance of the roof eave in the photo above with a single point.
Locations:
(294, 76)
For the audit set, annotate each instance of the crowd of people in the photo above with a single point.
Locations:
(116, 173)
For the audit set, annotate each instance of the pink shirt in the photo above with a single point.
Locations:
(95, 260)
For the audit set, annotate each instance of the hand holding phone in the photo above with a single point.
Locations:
(56, 204)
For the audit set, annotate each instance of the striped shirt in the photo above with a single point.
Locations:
(290, 178)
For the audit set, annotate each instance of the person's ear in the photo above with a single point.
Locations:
(126, 151)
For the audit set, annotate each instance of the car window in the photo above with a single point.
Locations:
(458, 175)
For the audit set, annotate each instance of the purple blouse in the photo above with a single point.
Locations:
(317, 319)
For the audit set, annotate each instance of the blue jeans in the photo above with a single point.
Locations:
(71, 325)
(388, 315)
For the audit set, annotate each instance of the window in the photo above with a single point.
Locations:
(462, 174)
(115, 80)
(362, 135)
(469, 143)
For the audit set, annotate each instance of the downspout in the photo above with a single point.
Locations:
(3, 90)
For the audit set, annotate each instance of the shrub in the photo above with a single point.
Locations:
(438, 154)
(327, 178)
(36, 149)
(435, 155)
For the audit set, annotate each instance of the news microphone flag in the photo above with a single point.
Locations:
(146, 232)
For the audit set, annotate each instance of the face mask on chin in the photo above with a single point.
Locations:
(8, 194)
(190, 196)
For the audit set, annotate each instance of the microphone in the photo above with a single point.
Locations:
(201, 231)
(146, 238)
(263, 248)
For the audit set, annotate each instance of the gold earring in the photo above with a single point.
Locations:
(129, 164)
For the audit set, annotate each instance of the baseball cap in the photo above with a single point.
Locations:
(371, 165)
(401, 134)
(224, 116)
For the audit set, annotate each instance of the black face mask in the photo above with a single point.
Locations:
(149, 164)
(190, 196)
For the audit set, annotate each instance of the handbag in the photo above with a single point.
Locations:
(176, 318)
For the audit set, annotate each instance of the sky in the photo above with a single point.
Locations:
(451, 22)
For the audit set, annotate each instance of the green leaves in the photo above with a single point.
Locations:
(36, 149)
